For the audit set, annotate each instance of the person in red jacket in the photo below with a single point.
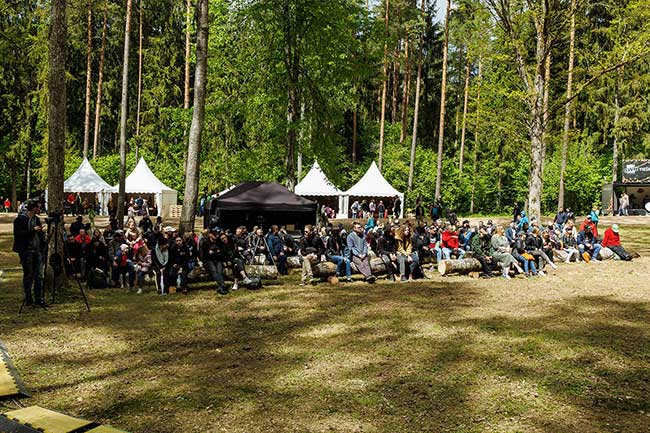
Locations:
(82, 238)
(7, 205)
(590, 223)
(612, 240)
(451, 244)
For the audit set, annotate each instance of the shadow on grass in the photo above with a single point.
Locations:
(354, 357)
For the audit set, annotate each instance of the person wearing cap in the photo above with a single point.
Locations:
(569, 244)
(612, 240)
(588, 245)
(589, 223)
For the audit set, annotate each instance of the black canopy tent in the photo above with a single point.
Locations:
(635, 181)
(261, 203)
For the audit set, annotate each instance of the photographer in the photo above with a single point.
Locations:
(29, 241)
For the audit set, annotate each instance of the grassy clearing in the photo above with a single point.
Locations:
(566, 353)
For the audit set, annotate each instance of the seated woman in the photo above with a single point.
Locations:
(142, 266)
(335, 253)
(501, 252)
(523, 257)
(405, 253)
(124, 266)
(534, 245)
(179, 257)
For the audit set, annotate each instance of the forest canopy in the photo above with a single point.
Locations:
(292, 81)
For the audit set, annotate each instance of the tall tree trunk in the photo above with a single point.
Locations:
(123, 116)
(354, 136)
(617, 114)
(137, 119)
(14, 181)
(383, 93)
(89, 51)
(56, 122)
(198, 117)
(100, 80)
(567, 108)
(292, 65)
(443, 97)
(395, 90)
(188, 48)
(464, 127)
(406, 89)
(547, 87)
(537, 127)
(476, 135)
(416, 111)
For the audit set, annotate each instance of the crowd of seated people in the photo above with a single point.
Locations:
(147, 251)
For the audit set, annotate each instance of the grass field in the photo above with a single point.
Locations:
(566, 353)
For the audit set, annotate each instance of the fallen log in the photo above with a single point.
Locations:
(264, 272)
(327, 269)
(460, 266)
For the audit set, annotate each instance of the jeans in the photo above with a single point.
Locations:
(340, 262)
(593, 252)
(447, 252)
(32, 263)
(529, 265)
(388, 263)
(412, 266)
(215, 269)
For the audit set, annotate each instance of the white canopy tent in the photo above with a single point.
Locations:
(316, 184)
(143, 181)
(372, 184)
(86, 180)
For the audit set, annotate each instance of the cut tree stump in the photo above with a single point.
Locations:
(460, 266)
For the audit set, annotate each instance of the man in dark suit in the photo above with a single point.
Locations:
(29, 242)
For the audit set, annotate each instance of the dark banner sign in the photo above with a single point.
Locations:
(636, 171)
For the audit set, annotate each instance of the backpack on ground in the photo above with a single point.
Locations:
(255, 284)
(96, 279)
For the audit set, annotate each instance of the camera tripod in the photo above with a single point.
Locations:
(56, 260)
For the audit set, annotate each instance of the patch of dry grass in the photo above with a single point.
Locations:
(565, 353)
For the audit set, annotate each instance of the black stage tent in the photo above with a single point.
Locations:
(261, 203)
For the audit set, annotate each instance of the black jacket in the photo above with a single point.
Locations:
(312, 245)
(335, 246)
(386, 245)
(215, 251)
(179, 256)
(23, 235)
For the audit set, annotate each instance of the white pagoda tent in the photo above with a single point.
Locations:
(143, 181)
(372, 184)
(85, 180)
(316, 184)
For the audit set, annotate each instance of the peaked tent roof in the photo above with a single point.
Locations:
(142, 180)
(373, 184)
(85, 179)
(317, 184)
(269, 196)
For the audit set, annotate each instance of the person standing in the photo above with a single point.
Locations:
(419, 212)
(29, 242)
(397, 207)
(624, 204)
(7, 205)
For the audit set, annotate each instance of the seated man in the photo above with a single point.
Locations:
(588, 245)
(359, 251)
(387, 250)
(612, 240)
(214, 255)
(481, 247)
(406, 254)
(432, 244)
(179, 258)
(76, 226)
(311, 248)
(276, 250)
(465, 236)
(336, 254)
(589, 223)
(569, 244)
(451, 244)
